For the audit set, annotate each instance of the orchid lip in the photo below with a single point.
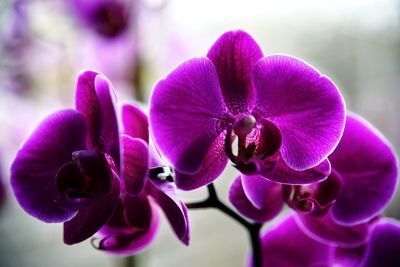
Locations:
(315, 199)
(256, 142)
(84, 179)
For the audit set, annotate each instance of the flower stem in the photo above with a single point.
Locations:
(212, 201)
(129, 261)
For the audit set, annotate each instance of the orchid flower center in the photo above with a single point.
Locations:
(85, 178)
(314, 199)
(162, 173)
(256, 140)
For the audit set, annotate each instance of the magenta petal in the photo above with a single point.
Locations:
(384, 246)
(87, 103)
(305, 105)
(129, 240)
(324, 229)
(368, 166)
(33, 172)
(349, 257)
(135, 162)
(257, 189)
(91, 218)
(138, 211)
(135, 123)
(234, 54)
(213, 165)
(164, 193)
(109, 126)
(187, 112)
(275, 169)
(269, 198)
(287, 246)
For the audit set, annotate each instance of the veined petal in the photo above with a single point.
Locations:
(269, 198)
(164, 193)
(325, 230)
(305, 105)
(135, 123)
(234, 54)
(33, 172)
(109, 133)
(368, 167)
(213, 165)
(187, 113)
(275, 169)
(383, 248)
(87, 103)
(90, 219)
(135, 162)
(287, 246)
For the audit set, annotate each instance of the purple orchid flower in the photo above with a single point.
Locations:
(135, 223)
(67, 169)
(72, 170)
(108, 18)
(286, 116)
(340, 209)
(287, 246)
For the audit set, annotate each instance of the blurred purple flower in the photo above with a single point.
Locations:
(108, 18)
(67, 169)
(2, 190)
(286, 116)
(134, 224)
(287, 246)
(16, 46)
(361, 184)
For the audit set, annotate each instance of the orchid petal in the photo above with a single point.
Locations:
(33, 172)
(109, 126)
(187, 113)
(234, 54)
(87, 103)
(325, 230)
(368, 167)
(384, 246)
(305, 105)
(213, 165)
(90, 219)
(257, 189)
(287, 246)
(164, 193)
(269, 198)
(275, 169)
(135, 161)
(122, 238)
(135, 123)
(138, 211)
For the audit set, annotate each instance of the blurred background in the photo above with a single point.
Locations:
(45, 43)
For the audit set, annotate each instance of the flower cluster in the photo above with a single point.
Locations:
(293, 144)
(281, 124)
